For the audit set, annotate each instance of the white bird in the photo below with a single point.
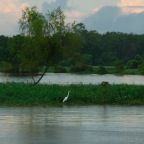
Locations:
(66, 98)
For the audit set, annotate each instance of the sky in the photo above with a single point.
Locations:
(125, 16)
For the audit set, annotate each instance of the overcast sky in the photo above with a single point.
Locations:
(100, 15)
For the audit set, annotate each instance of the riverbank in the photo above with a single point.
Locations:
(42, 94)
(97, 70)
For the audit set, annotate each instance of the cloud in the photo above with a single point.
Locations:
(95, 10)
(103, 19)
(54, 4)
(11, 7)
(124, 3)
(10, 12)
(74, 14)
(132, 23)
(71, 15)
(129, 6)
(110, 19)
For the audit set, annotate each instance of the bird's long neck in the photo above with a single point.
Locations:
(68, 94)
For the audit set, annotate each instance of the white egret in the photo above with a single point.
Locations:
(66, 98)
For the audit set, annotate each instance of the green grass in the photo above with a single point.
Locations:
(111, 70)
(28, 94)
(132, 71)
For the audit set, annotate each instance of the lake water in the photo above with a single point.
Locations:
(72, 125)
(61, 78)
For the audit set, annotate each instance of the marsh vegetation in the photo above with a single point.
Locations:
(42, 94)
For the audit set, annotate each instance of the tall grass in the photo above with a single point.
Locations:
(28, 94)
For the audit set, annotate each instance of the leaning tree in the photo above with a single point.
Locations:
(47, 40)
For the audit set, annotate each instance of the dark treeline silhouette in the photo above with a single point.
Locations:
(4, 53)
(106, 48)
(97, 50)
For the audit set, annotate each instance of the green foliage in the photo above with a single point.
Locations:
(101, 70)
(87, 59)
(68, 62)
(6, 67)
(81, 68)
(48, 40)
(15, 47)
(106, 48)
(28, 94)
(4, 53)
(59, 69)
(134, 63)
(131, 71)
(118, 64)
(141, 68)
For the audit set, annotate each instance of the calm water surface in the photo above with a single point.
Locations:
(72, 125)
(61, 78)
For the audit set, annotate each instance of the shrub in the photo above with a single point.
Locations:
(59, 69)
(118, 64)
(7, 67)
(132, 64)
(101, 70)
(141, 68)
(81, 68)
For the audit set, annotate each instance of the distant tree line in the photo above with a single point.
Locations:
(97, 50)
(105, 49)
(43, 44)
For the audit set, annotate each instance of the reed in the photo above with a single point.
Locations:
(42, 94)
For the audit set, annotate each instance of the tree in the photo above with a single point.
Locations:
(134, 63)
(141, 68)
(15, 45)
(101, 70)
(4, 54)
(118, 64)
(47, 40)
(87, 59)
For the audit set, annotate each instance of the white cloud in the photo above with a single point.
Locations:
(95, 10)
(11, 6)
(129, 6)
(124, 3)
(73, 15)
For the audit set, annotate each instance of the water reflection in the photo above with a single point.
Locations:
(83, 124)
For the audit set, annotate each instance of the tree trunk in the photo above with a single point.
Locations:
(36, 82)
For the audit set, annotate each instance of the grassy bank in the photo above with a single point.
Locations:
(28, 94)
(112, 70)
